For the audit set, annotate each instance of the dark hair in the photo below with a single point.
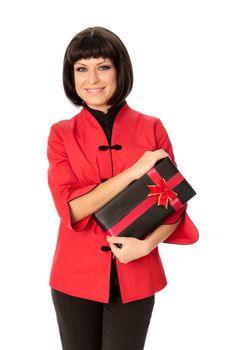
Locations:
(98, 42)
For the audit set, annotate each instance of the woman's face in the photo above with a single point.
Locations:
(95, 81)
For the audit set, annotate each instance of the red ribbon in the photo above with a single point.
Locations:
(163, 193)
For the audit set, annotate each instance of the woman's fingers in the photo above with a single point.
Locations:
(113, 239)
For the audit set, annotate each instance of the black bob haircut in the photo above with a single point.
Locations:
(98, 42)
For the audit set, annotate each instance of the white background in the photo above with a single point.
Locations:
(181, 53)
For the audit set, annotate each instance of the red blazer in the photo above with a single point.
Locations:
(76, 165)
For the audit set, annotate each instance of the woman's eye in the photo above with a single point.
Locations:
(81, 69)
(104, 67)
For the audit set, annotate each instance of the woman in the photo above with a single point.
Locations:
(104, 292)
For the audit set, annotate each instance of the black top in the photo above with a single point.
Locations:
(106, 120)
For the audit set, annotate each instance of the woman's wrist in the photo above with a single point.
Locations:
(147, 246)
(130, 173)
(160, 234)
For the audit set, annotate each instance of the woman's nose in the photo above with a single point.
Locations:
(93, 76)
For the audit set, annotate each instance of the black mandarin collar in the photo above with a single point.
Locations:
(106, 120)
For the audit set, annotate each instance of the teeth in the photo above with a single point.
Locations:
(95, 91)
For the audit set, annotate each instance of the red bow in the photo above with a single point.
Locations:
(163, 192)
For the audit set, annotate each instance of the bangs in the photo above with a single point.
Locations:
(92, 46)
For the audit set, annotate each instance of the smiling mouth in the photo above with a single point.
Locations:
(94, 91)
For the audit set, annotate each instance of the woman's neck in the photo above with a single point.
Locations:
(104, 110)
(107, 111)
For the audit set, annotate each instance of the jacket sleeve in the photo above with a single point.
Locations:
(186, 232)
(62, 181)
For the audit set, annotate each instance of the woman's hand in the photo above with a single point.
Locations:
(146, 162)
(132, 248)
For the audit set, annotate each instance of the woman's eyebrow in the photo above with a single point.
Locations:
(82, 64)
(105, 61)
(78, 63)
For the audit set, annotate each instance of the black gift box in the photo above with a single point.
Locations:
(137, 211)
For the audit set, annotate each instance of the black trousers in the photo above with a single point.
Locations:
(90, 325)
